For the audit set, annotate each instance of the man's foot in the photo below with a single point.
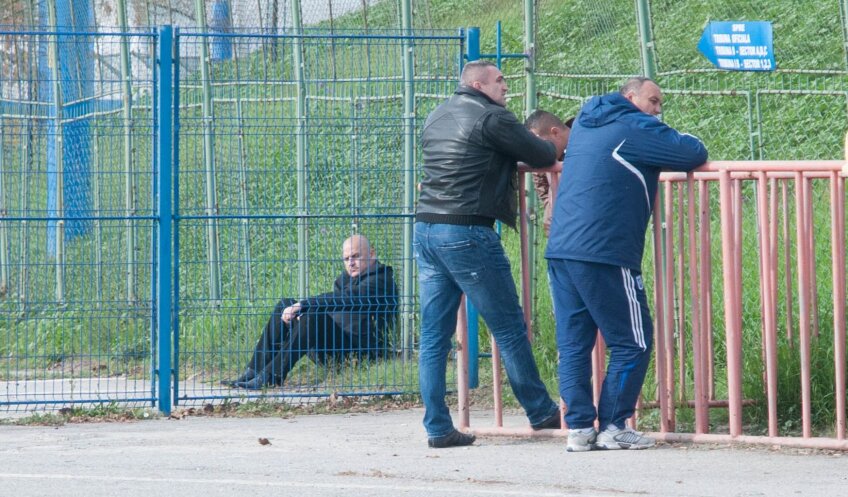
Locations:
(552, 423)
(453, 439)
(258, 382)
(248, 375)
(614, 438)
(581, 439)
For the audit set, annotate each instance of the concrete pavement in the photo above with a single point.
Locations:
(380, 454)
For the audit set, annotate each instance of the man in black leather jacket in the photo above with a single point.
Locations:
(471, 145)
(353, 318)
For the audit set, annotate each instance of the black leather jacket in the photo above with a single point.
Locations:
(471, 146)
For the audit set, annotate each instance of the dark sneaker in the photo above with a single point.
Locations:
(581, 440)
(453, 439)
(552, 423)
(258, 382)
(248, 375)
(615, 439)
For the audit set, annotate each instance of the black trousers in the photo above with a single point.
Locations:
(283, 344)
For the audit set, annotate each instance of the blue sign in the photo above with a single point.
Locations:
(739, 45)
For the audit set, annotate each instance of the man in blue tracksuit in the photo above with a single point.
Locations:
(609, 182)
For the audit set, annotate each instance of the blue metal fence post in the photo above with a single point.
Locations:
(175, 212)
(164, 207)
(473, 53)
(472, 44)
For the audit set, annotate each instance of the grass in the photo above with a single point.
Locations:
(111, 412)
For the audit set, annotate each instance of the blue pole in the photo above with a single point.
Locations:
(222, 46)
(154, 240)
(69, 156)
(176, 212)
(164, 260)
(473, 53)
(498, 44)
(472, 44)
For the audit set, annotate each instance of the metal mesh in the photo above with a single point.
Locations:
(267, 195)
(75, 271)
(265, 198)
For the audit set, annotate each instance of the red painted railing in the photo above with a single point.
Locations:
(683, 273)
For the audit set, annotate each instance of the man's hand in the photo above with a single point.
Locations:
(291, 312)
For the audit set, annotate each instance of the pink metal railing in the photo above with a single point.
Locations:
(685, 275)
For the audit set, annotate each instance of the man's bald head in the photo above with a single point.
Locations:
(358, 255)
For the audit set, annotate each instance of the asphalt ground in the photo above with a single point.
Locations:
(381, 454)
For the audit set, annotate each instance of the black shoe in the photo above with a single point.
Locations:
(552, 423)
(453, 439)
(258, 382)
(248, 375)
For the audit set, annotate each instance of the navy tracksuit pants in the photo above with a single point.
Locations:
(589, 296)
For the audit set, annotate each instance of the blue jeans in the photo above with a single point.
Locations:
(453, 260)
(589, 296)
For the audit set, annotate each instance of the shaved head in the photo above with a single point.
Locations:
(477, 70)
(550, 127)
(543, 120)
(358, 255)
(486, 78)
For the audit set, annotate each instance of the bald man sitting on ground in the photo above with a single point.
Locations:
(351, 319)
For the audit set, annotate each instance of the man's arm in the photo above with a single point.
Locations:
(659, 145)
(374, 293)
(504, 133)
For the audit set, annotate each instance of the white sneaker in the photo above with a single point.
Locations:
(581, 439)
(614, 439)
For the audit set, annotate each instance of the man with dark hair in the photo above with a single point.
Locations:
(471, 145)
(353, 318)
(615, 154)
(548, 127)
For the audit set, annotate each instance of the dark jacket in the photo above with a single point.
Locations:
(364, 306)
(470, 148)
(609, 181)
